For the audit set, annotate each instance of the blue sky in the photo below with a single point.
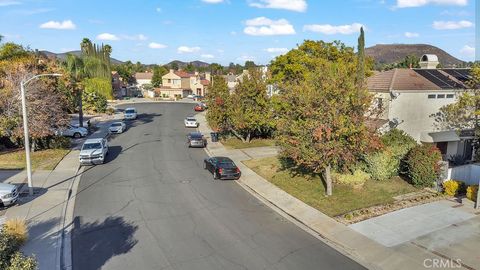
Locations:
(226, 31)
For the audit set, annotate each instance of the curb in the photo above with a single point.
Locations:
(64, 253)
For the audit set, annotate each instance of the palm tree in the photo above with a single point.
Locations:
(75, 69)
(86, 46)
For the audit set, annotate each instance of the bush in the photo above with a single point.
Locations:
(357, 179)
(422, 166)
(94, 102)
(452, 187)
(472, 193)
(16, 228)
(382, 165)
(396, 137)
(110, 110)
(21, 262)
(59, 142)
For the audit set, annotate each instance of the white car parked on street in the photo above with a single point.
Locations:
(130, 113)
(117, 127)
(191, 122)
(93, 151)
(8, 194)
(73, 131)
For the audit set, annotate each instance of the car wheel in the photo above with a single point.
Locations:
(77, 135)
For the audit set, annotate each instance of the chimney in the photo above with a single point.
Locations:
(429, 61)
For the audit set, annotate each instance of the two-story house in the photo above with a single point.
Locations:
(410, 100)
(181, 84)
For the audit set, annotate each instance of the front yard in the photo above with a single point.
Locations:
(235, 143)
(312, 191)
(41, 160)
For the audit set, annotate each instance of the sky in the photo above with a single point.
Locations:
(224, 31)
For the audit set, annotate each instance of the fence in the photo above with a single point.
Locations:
(470, 174)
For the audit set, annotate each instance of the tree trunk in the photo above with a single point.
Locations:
(34, 145)
(237, 135)
(80, 108)
(248, 138)
(328, 180)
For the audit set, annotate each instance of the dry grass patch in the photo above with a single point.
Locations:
(41, 160)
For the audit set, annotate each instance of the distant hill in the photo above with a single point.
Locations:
(385, 54)
(62, 56)
(196, 64)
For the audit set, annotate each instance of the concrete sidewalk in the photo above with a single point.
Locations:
(351, 243)
(45, 211)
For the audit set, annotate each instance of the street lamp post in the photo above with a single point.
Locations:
(23, 83)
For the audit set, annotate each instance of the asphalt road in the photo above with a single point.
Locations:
(152, 206)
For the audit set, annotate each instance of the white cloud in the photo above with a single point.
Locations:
(107, 36)
(207, 56)
(411, 35)
(468, 51)
(65, 25)
(5, 3)
(451, 25)
(140, 37)
(276, 50)
(185, 49)
(328, 29)
(154, 45)
(263, 26)
(419, 3)
(212, 1)
(293, 5)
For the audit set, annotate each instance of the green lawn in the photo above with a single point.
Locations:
(234, 143)
(312, 191)
(41, 160)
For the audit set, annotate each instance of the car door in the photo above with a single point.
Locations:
(105, 147)
(210, 165)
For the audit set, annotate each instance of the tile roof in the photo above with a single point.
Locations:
(205, 82)
(183, 74)
(400, 79)
(143, 75)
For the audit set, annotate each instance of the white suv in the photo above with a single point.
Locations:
(93, 151)
(130, 113)
(8, 194)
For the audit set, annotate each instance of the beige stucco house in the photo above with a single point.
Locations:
(143, 78)
(181, 83)
(410, 100)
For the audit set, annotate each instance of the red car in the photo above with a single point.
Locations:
(199, 108)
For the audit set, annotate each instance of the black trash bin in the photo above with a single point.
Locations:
(214, 136)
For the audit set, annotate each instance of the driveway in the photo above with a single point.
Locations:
(152, 206)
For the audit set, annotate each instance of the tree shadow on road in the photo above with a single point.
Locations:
(94, 243)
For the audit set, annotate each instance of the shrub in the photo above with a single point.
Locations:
(16, 228)
(94, 101)
(382, 165)
(59, 142)
(452, 187)
(472, 193)
(110, 110)
(396, 137)
(422, 166)
(22, 262)
(357, 179)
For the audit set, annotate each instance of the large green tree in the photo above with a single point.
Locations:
(321, 121)
(158, 72)
(250, 110)
(218, 104)
(74, 68)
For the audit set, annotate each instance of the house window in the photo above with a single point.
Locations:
(450, 95)
(169, 81)
(431, 96)
(441, 96)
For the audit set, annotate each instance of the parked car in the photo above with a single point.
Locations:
(139, 95)
(130, 113)
(199, 108)
(196, 139)
(93, 151)
(191, 96)
(197, 98)
(191, 122)
(222, 168)
(73, 131)
(117, 127)
(8, 194)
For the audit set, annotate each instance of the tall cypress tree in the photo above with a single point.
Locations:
(361, 59)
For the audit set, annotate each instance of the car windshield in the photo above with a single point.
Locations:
(196, 136)
(191, 119)
(130, 111)
(89, 146)
(116, 124)
(226, 165)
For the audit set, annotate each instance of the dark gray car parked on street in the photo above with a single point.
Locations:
(222, 168)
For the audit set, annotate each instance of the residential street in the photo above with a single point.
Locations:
(152, 206)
